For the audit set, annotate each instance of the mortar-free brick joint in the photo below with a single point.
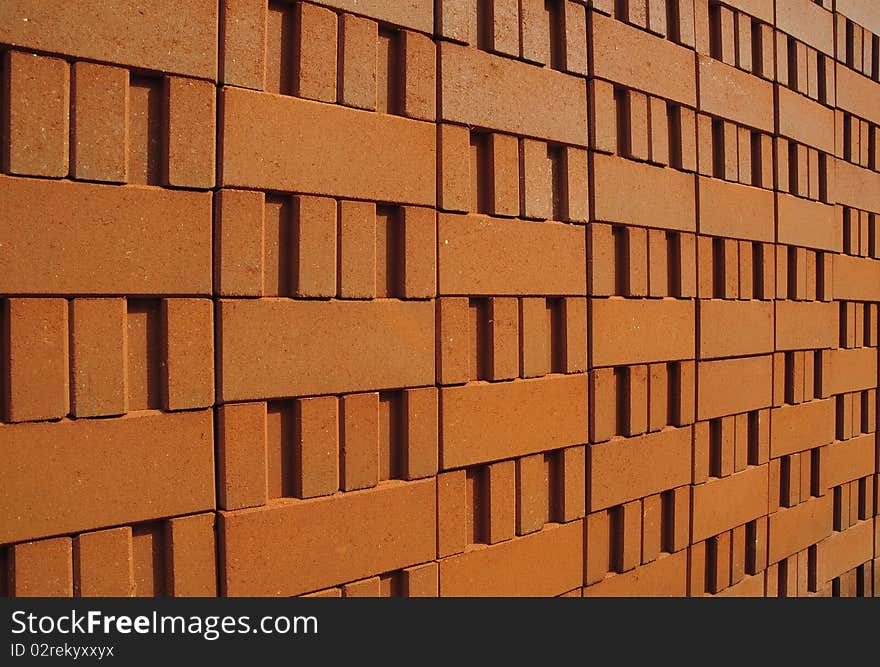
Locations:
(440, 298)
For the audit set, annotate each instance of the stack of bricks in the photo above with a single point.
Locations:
(467, 297)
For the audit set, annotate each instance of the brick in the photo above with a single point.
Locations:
(572, 463)
(808, 223)
(318, 161)
(650, 64)
(653, 330)
(850, 370)
(98, 359)
(651, 529)
(658, 399)
(857, 94)
(420, 68)
(849, 460)
(157, 465)
(620, 194)
(623, 470)
(316, 246)
(480, 256)
(358, 67)
(453, 145)
(421, 455)
(488, 422)
(103, 564)
(419, 256)
(796, 528)
(846, 550)
(451, 510)
(735, 210)
(735, 328)
(316, 457)
(357, 250)
(37, 378)
(800, 427)
(575, 315)
(241, 455)
(157, 38)
(807, 22)
(855, 278)
(533, 493)
(316, 50)
(359, 441)
(722, 504)
(805, 121)
(188, 371)
(145, 244)
(453, 362)
(730, 93)
(482, 90)
(37, 115)
(262, 343)
(278, 550)
(535, 354)
(99, 132)
(191, 135)
(239, 242)
(41, 569)
(243, 43)
(421, 581)
(716, 377)
(665, 577)
(504, 569)
(500, 501)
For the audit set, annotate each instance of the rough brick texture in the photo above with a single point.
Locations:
(440, 298)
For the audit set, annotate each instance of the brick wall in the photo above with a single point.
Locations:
(416, 298)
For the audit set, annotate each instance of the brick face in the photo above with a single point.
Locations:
(595, 284)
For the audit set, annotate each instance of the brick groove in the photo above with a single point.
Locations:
(507, 297)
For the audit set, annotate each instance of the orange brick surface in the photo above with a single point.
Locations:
(440, 298)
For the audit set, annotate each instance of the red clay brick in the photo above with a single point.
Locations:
(477, 88)
(488, 422)
(727, 502)
(292, 548)
(735, 328)
(665, 577)
(156, 465)
(98, 359)
(192, 551)
(241, 455)
(41, 569)
(507, 569)
(188, 369)
(716, 377)
(317, 41)
(650, 63)
(145, 244)
(292, 330)
(485, 256)
(103, 564)
(191, 132)
(239, 217)
(358, 68)
(621, 188)
(400, 152)
(636, 331)
(160, 36)
(243, 43)
(37, 378)
(38, 115)
(622, 471)
(99, 132)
